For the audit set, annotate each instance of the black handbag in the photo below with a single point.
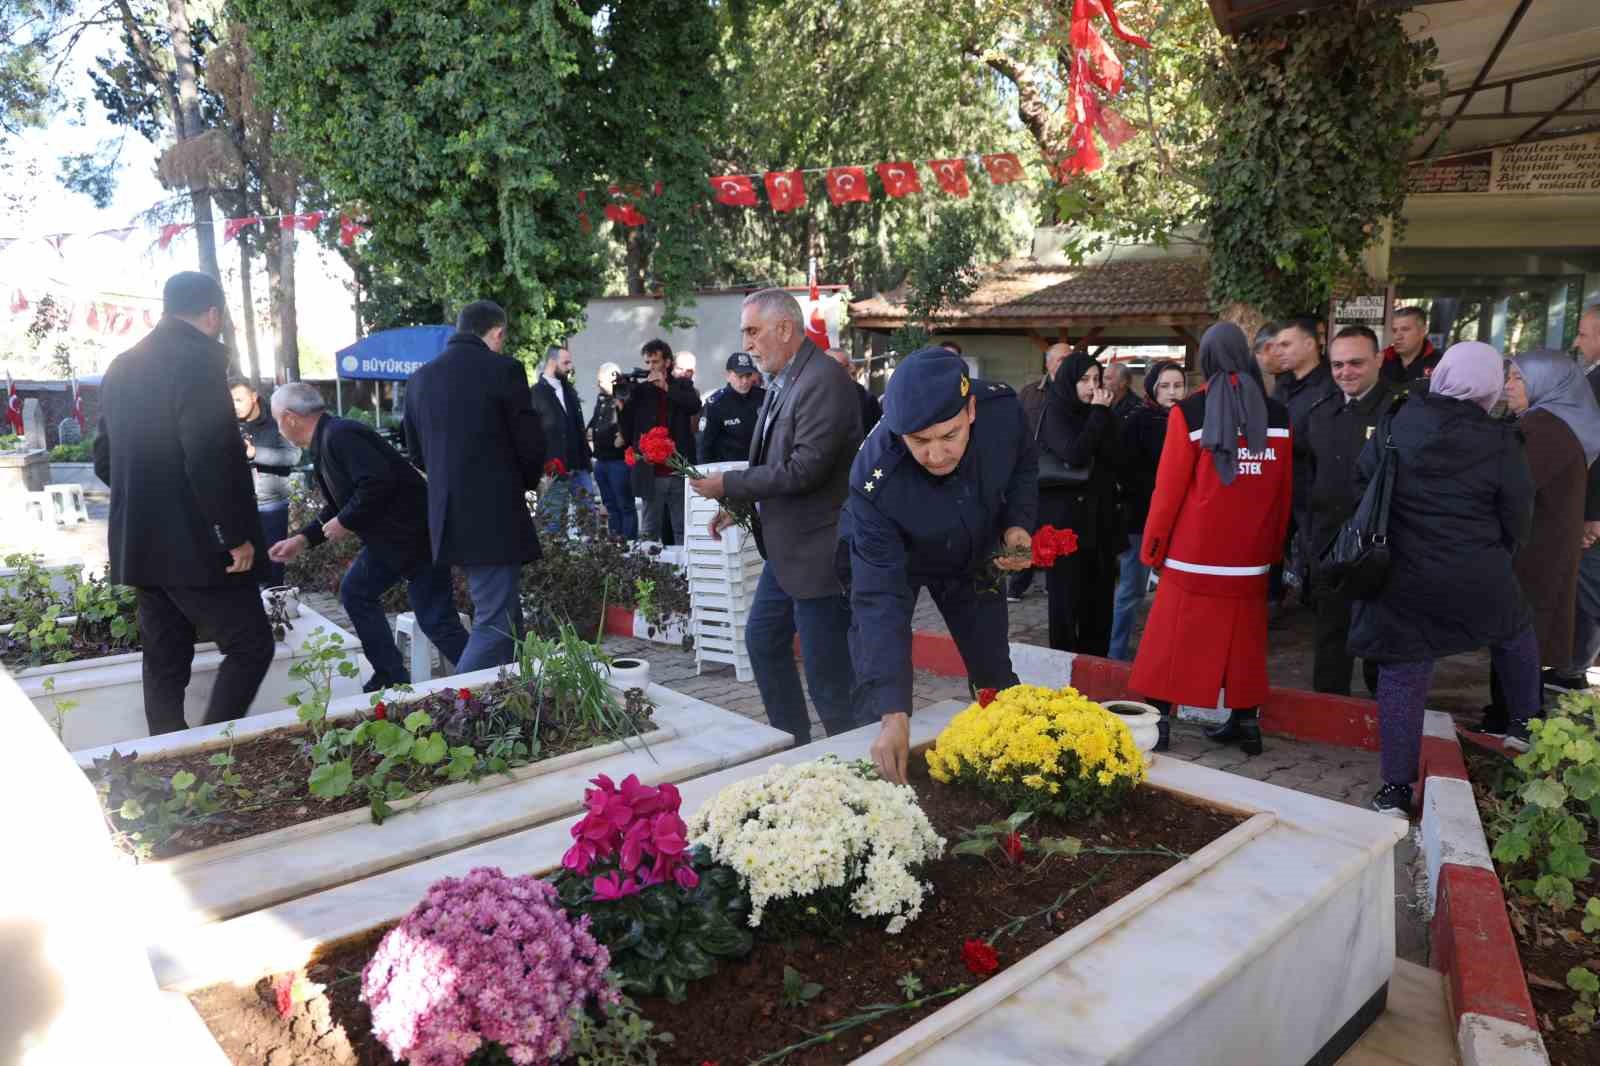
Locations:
(1055, 472)
(1357, 559)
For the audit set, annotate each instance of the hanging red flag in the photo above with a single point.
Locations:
(899, 179)
(848, 183)
(13, 405)
(93, 319)
(171, 230)
(786, 189)
(624, 214)
(734, 190)
(149, 320)
(1085, 157)
(77, 404)
(119, 234)
(349, 230)
(951, 175)
(1116, 130)
(19, 302)
(308, 222)
(1003, 167)
(126, 314)
(234, 226)
(1085, 9)
(1100, 62)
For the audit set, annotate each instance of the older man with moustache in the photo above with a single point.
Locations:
(806, 435)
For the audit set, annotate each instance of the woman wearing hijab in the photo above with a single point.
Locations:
(1462, 504)
(1216, 526)
(1547, 394)
(1142, 437)
(1078, 428)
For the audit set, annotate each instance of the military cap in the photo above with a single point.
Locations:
(929, 386)
(741, 363)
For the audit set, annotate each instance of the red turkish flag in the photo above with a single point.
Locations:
(624, 214)
(1085, 157)
(307, 222)
(734, 190)
(1116, 130)
(149, 320)
(786, 189)
(1100, 62)
(93, 318)
(235, 225)
(19, 302)
(349, 230)
(1085, 9)
(951, 175)
(899, 178)
(1003, 167)
(848, 183)
(170, 231)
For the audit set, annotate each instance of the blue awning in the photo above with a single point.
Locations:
(392, 354)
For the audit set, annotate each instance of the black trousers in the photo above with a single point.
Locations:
(980, 624)
(1332, 663)
(172, 619)
(1082, 587)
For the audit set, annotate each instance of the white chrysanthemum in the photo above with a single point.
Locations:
(797, 830)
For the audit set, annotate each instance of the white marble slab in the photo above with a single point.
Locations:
(110, 691)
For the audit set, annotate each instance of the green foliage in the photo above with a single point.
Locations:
(622, 1038)
(943, 271)
(1308, 157)
(147, 810)
(82, 452)
(1540, 820)
(89, 618)
(665, 937)
(1583, 981)
(9, 442)
(797, 991)
(30, 32)
(910, 985)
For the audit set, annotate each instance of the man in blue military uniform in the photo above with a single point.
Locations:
(947, 481)
(729, 419)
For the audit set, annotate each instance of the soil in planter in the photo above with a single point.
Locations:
(1550, 944)
(736, 1016)
(275, 767)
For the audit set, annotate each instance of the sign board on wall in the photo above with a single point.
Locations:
(1566, 165)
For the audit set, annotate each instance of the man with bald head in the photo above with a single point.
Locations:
(871, 410)
(1586, 633)
(1123, 402)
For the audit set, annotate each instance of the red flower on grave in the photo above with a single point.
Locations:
(283, 993)
(380, 711)
(986, 696)
(1012, 846)
(980, 958)
(555, 468)
(465, 694)
(657, 445)
(630, 457)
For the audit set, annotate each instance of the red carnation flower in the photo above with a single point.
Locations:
(986, 696)
(657, 445)
(980, 958)
(1050, 544)
(1012, 846)
(555, 468)
(465, 693)
(1066, 541)
(380, 711)
(630, 457)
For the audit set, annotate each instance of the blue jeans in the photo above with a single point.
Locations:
(274, 527)
(496, 616)
(574, 490)
(824, 627)
(428, 587)
(1132, 581)
(616, 490)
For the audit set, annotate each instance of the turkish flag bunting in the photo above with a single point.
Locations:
(848, 183)
(171, 230)
(624, 214)
(1100, 62)
(734, 190)
(56, 240)
(951, 175)
(1085, 9)
(149, 320)
(1116, 130)
(235, 226)
(349, 230)
(19, 302)
(899, 178)
(1003, 167)
(93, 318)
(307, 222)
(127, 321)
(1085, 157)
(119, 234)
(786, 189)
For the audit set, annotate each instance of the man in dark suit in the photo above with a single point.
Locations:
(184, 530)
(806, 435)
(470, 426)
(561, 413)
(666, 397)
(871, 409)
(369, 490)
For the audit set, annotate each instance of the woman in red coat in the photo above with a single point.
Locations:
(1216, 526)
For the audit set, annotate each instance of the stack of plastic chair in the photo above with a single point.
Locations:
(722, 582)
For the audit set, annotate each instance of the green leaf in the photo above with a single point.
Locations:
(1513, 847)
(182, 780)
(1591, 915)
(1066, 847)
(221, 758)
(393, 742)
(1582, 979)
(1018, 820)
(417, 721)
(430, 751)
(1582, 781)
(131, 810)
(1568, 861)
(331, 780)
(976, 846)
(1543, 792)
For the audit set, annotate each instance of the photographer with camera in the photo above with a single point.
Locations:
(665, 397)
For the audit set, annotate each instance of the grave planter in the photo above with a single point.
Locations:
(81, 474)
(109, 691)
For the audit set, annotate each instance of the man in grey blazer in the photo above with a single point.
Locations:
(807, 432)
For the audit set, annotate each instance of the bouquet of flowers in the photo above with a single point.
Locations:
(659, 449)
(1049, 544)
(635, 833)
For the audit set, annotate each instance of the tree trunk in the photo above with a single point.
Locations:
(250, 358)
(634, 262)
(283, 303)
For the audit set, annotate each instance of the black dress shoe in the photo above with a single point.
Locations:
(1238, 729)
(1163, 734)
(1494, 722)
(1559, 682)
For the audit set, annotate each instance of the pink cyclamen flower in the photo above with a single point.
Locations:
(579, 857)
(613, 886)
(686, 876)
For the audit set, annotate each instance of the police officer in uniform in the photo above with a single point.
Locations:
(944, 483)
(729, 420)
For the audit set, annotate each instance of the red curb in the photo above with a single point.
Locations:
(619, 621)
(1474, 949)
(1441, 757)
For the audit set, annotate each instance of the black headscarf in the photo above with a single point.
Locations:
(1065, 385)
(1152, 377)
(1236, 405)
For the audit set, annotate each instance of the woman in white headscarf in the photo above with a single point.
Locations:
(1560, 424)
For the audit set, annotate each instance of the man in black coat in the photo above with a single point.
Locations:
(471, 427)
(1337, 429)
(729, 421)
(369, 490)
(184, 530)
(566, 439)
(1303, 379)
(665, 398)
(871, 409)
(1586, 630)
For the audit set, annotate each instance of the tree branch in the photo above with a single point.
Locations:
(1033, 107)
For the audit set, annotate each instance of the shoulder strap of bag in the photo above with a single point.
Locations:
(1386, 472)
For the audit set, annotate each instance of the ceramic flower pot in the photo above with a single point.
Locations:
(629, 673)
(1140, 718)
(284, 597)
